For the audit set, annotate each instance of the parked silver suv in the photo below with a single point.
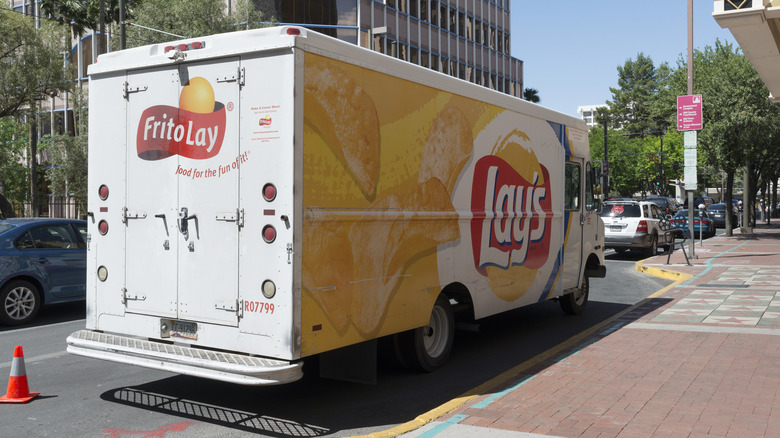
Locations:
(633, 225)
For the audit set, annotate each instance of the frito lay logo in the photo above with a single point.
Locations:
(194, 130)
(512, 216)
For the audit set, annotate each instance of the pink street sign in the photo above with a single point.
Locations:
(689, 113)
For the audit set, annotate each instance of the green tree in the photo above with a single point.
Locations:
(631, 107)
(30, 62)
(531, 95)
(740, 123)
(189, 19)
(68, 155)
(81, 15)
(13, 175)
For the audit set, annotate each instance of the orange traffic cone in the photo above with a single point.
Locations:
(18, 391)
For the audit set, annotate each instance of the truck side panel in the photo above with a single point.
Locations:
(408, 189)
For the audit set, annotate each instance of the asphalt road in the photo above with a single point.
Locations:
(92, 398)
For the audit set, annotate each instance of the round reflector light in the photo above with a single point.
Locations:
(103, 227)
(103, 192)
(269, 289)
(269, 192)
(102, 273)
(293, 31)
(269, 233)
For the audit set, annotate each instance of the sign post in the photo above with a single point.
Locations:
(689, 120)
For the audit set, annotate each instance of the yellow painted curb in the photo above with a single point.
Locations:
(678, 277)
(513, 372)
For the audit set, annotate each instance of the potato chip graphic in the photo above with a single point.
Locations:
(327, 269)
(337, 107)
(397, 228)
(447, 148)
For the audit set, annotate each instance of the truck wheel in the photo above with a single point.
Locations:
(21, 301)
(427, 348)
(575, 302)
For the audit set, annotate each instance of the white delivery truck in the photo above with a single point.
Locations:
(262, 197)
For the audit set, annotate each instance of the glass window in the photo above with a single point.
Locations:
(443, 16)
(424, 10)
(53, 237)
(453, 20)
(590, 199)
(24, 242)
(571, 194)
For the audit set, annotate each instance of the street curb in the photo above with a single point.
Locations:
(660, 272)
(501, 379)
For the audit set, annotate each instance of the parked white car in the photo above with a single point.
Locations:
(633, 225)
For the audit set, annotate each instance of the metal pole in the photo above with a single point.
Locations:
(606, 160)
(122, 36)
(691, 245)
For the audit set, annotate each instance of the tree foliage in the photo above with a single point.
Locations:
(13, 176)
(189, 19)
(31, 66)
(531, 95)
(633, 101)
(68, 154)
(81, 15)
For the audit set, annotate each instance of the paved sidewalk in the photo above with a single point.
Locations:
(698, 358)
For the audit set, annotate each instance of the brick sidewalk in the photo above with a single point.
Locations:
(699, 358)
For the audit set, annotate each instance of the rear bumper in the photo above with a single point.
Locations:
(216, 365)
(632, 241)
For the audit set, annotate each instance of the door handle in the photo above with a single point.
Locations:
(184, 218)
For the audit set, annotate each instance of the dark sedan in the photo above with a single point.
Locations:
(42, 261)
(718, 214)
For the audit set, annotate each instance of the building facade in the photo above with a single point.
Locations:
(468, 39)
(588, 113)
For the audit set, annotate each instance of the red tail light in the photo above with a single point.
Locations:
(641, 227)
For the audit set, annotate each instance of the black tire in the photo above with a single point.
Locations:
(575, 303)
(620, 250)
(428, 348)
(20, 302)
(653, 248)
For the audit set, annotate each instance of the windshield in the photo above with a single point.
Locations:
(621, 210)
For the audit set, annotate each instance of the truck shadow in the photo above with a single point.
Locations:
(321, 407)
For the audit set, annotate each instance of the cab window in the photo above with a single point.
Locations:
(572, 187)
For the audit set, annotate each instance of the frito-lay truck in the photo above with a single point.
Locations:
(263, 197)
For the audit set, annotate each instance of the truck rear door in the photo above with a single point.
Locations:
(183, 215)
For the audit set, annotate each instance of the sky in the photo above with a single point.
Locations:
(571, 48)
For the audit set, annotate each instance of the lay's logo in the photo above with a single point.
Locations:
(512, 216)
(193, 130)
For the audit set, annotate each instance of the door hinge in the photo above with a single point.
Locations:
(126, 297)
(237, 307)
(289, 253)
(127, 89)
(127, 214)
(238, 76)
(233, 216)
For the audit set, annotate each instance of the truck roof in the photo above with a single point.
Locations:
(285, 37)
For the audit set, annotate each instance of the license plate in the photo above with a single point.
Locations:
(615, 228)
(184, 330)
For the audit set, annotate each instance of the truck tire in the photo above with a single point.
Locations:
(428, 348)
(575, 302)
(20, 302)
